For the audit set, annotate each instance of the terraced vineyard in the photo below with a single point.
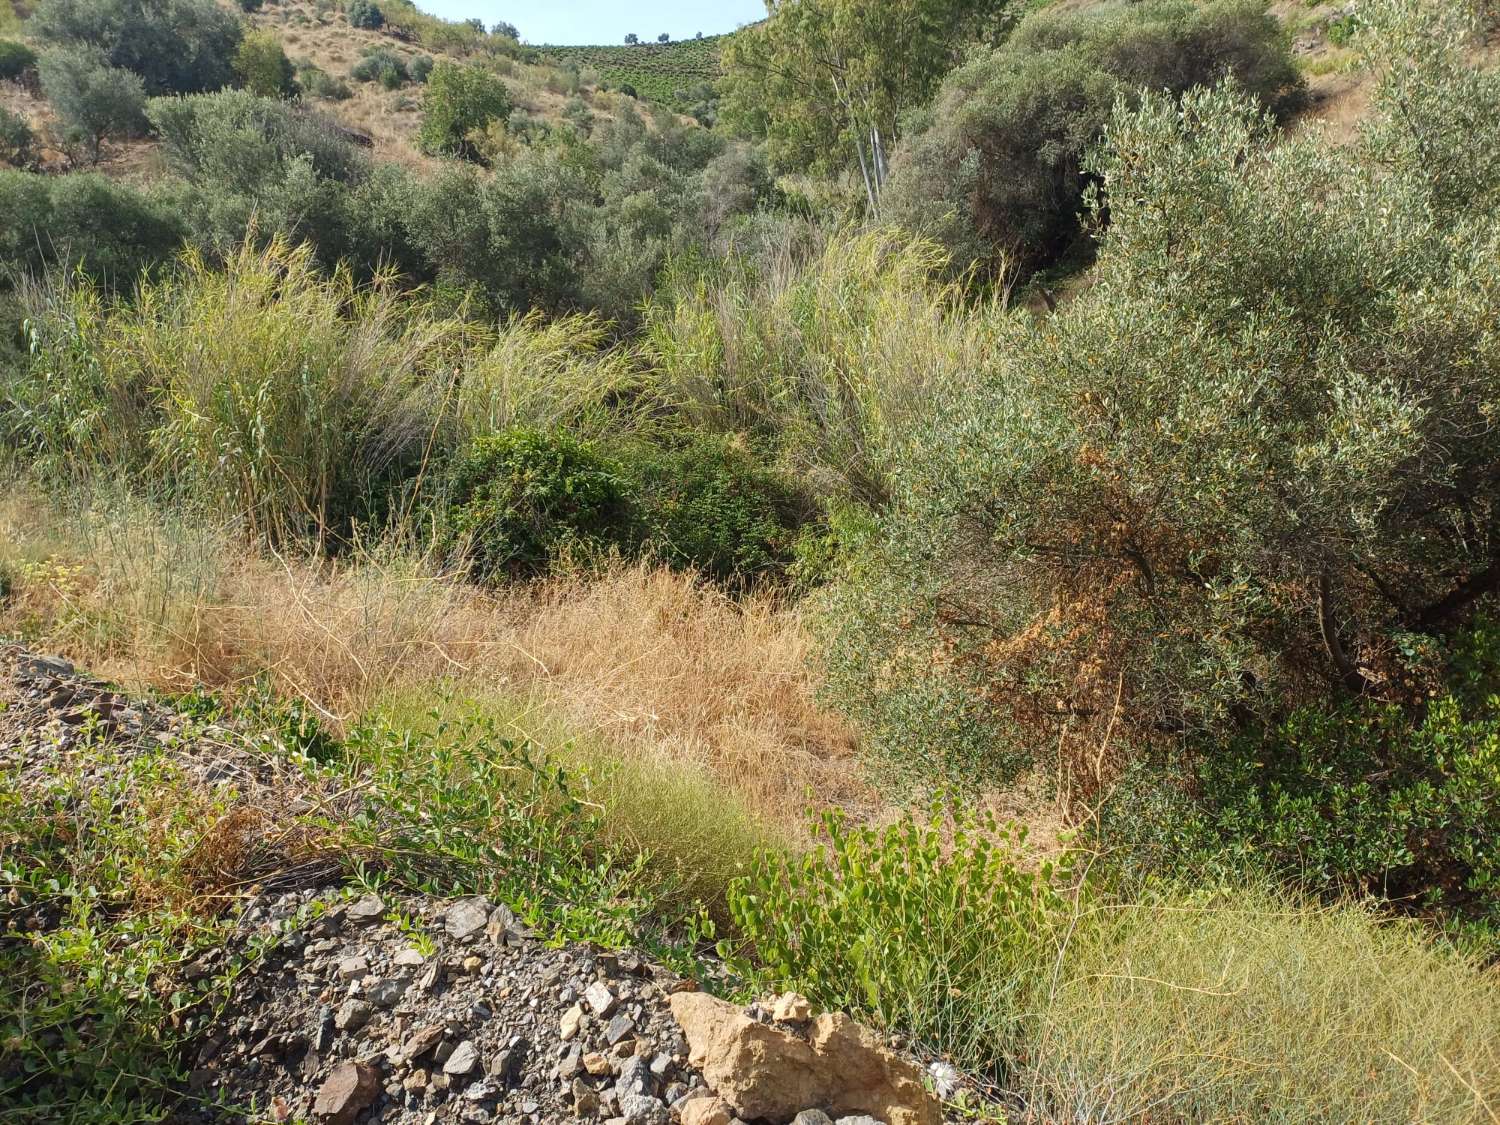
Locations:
(662, 72)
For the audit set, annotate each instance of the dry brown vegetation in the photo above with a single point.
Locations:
(655, 664)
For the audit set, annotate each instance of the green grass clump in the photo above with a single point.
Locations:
(692, 834)
(1250, 1006)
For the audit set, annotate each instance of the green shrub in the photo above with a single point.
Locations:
(996, 170)
(934, 929)
(710, 504)
(93, 99)
(420, 68)
(15, 59)
(380, 65)
(319, 83)
(263, 68)
(17, 141)
(111, 230)
(176, 46)
(364, 14)
(460, 100)
(234, 141)
(1365, 799)
(521, 498)
(1235, 474)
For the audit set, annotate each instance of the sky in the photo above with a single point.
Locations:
(567, 22)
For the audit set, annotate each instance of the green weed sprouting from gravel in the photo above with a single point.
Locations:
(457, 808)
(102, 886)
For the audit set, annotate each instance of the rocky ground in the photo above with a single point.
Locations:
(349, 1006)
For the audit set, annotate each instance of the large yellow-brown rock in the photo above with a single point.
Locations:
(762, 1070)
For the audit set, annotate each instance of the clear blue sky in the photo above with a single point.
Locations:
(603, 21)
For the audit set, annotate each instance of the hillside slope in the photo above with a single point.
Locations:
(670, 73)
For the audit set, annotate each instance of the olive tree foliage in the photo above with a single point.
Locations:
(176, 46)
(994, 169)
(461, 101)
(1255, 464)
(827, 81)
(263, 68)
(93, 99)
(234, 141)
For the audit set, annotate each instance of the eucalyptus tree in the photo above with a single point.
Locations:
(828, 81)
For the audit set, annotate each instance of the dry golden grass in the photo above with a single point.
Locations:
(660, 667)
(392, 118)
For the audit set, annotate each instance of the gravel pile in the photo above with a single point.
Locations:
(402, 1009)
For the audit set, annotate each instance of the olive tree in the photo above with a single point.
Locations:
(994, 169)
(1254, 464)
(93, 99)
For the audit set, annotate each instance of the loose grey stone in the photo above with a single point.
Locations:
(638, 1109)
(387, 993)
(352, 968)
(464, 1059)
(636, 1077)
(352, 1015)
(466, 917)
(367, 909)
(619, 1027)
(600, 998)
(812, 1117)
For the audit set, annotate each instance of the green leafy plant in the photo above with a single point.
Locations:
(263, 68)
(174, 46)
(364, 14)
(936, 928)
(461, 100)
(380, 65)
(94, 99)
(522, 497)
(17, 141)
(15, 59)
(710, 504)
(1365, 799)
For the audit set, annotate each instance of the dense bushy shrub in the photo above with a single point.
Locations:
(93, 99)
(521, 498)
(364, 14)
(712, 505)
(318, 83)
(176, 46)
(1246, 469)
(15, 59)
(263, 68)
(995, 171)
(112, 230)
(17, 141)
(460, 100)
(380, 65)
(1365, 798)
(420, 68)
(235, 141)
